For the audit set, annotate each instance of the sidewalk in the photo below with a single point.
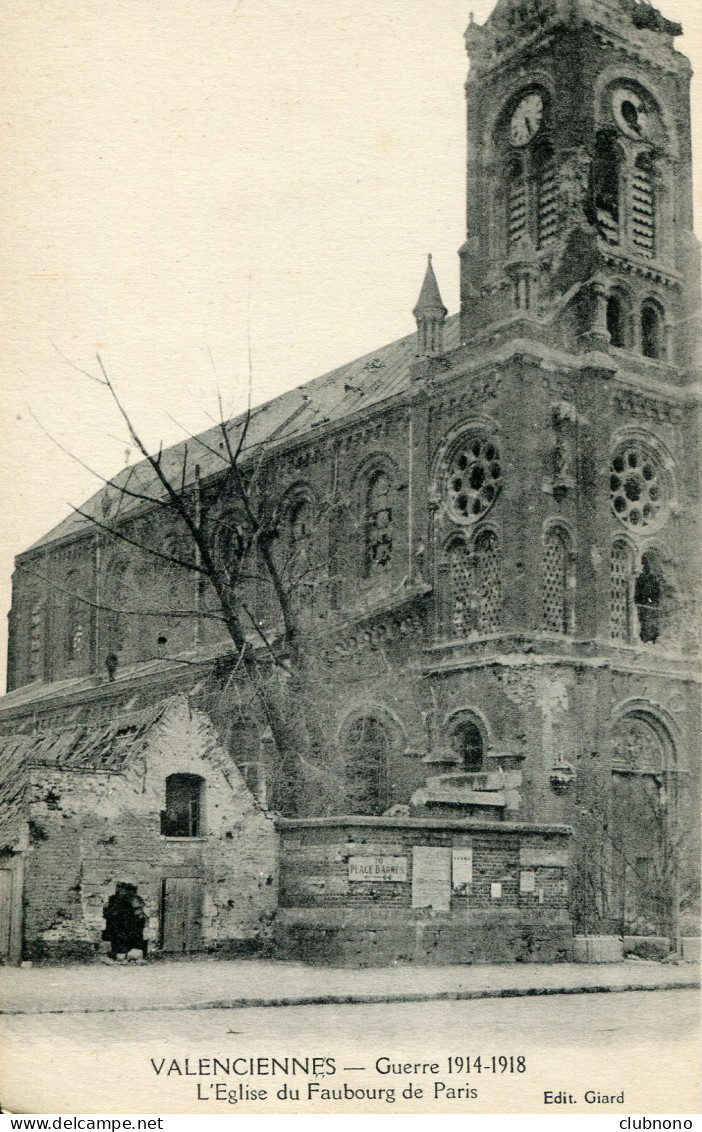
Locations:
(208, 984)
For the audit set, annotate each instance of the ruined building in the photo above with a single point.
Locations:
(496, 520)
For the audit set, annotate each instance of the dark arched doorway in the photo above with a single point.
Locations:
(640, 829)
(125, 920)
(467, 742)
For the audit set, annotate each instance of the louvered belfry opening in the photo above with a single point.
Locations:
(547, 195)
(35, 640)
(516, 202)
(606, 177)
(643, 220)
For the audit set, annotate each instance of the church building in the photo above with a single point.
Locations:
(486, 534)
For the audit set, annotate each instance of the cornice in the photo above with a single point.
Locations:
(644, 269)
(290, 825)
(665, 670)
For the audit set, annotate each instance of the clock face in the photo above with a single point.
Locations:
(629, 112)
(527, 118)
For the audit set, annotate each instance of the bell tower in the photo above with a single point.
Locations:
(580, 228)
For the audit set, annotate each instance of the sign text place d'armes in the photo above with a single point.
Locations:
(378, 868)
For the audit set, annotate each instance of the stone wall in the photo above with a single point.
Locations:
(90, 829)
(373, 891)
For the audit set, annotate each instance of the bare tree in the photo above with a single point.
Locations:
(230, 541)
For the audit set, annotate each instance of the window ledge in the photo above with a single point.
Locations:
(169, 837)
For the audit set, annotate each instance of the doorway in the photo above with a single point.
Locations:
(125, 920)
(181, 914)
(641, 886)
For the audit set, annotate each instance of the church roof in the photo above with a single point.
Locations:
(643, 15)
(516, 15)
(356, 388)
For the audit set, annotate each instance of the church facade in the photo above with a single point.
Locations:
(491, 528)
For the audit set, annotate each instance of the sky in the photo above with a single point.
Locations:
(189, 183)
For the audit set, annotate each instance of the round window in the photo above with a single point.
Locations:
(474, 478)
(637, 486)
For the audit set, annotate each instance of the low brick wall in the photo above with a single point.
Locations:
(371, 891)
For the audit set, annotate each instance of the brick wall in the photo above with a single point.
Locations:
(330, 913)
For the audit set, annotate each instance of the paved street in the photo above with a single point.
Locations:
(641, 1044)
(205, 982)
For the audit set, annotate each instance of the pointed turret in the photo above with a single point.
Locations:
(430, 314)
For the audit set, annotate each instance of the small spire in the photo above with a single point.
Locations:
(430, 314)
(429, 296)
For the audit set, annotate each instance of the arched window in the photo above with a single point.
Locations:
(606, 180)
(298, 568)
(182, 816)
(176, 549)
(643, 207)
(74, 627)
(489, 582)
(652, 330)
(547, 195)
(652, 597)
(555, 581)
(463, 599)
(619, 320)
(300, 526)
(378, 525)
(115, 620)
(367, 749)
(620, 593)
(467, 742)
(75, 637)
(516, 202)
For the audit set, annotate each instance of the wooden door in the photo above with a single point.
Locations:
(5, 913)
(640, 883)
(181, 914)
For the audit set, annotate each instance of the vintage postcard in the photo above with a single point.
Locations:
(349, 752)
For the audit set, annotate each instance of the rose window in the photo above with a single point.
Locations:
(637, 485)
(475, 478)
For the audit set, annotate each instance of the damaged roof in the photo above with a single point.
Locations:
(354, 388)
(83, 747)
